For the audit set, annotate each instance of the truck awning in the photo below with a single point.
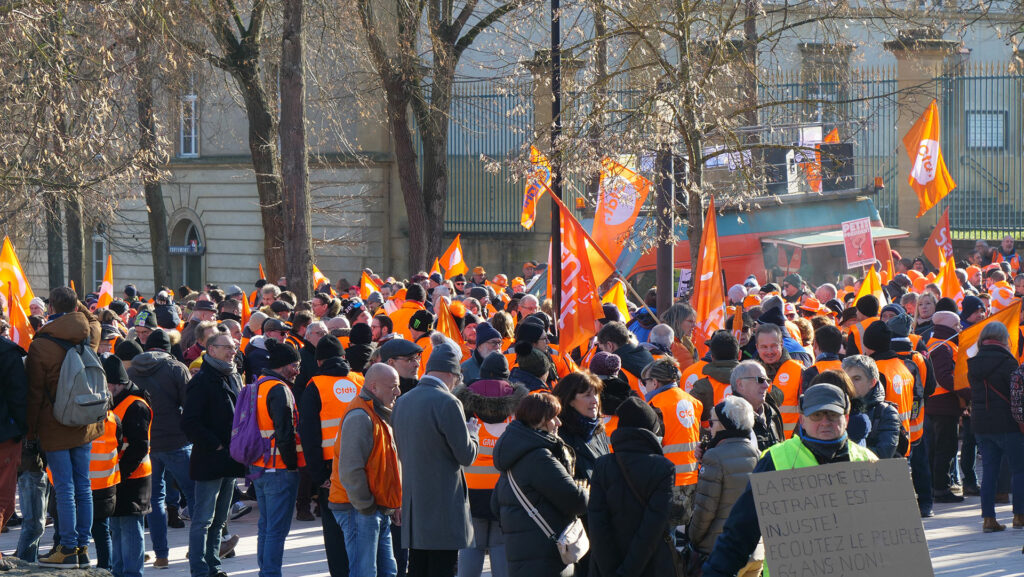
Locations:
(832, 237)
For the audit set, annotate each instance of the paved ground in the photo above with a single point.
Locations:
(957, 545)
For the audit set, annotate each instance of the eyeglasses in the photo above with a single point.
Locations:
(819, 415)
(232, 347)
(762, 380)
(411, 358)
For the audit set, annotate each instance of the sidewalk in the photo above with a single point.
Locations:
(958, 547)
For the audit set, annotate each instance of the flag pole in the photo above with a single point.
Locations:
(556, 164)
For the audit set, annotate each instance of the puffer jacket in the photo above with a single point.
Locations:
(166, 381)
(990, 414)
(884, 435)
(724, 473)
(542, 466)
(627, 536)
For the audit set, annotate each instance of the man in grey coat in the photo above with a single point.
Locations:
(434, 443)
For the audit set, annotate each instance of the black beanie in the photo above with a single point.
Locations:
(415, 293)
(633, 412)
(529, 332)
(878, 337)
(127, 350)
(723, 418)
(159, 340)
(971, 305)
(329, 347)
(868, 305)
(281, 354)
(947, 304)
(531, 360)
(495, 366)
(422, 321)
(361, 334)
(114, 369)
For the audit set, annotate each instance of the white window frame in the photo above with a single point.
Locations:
(99, 261)
(189, 118)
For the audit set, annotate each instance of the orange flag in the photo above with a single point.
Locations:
(367, 286)
(319, 278)
(246, 311)
(814, 168)
(968, 341)
(452, 259)
(12, 275)
(71, 284)
(928, 177)
(21, 330)
(709, 295)
(872, 285)
(621, 194)
(581, 307)
(446, 323)
(262, 274)
(940, 242)
(107, 288)
(538, 181)
(950, 285)
(436, 267)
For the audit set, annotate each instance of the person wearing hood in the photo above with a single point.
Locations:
(493, 400)
(133, 491)
(942, 409)
(884, 433)
(615, 391)
(901, 382)
(320, 410)
(542, 465)
(207, 418)
(405, 357)
(167, 312)
(360, 347)
(488, 340)
(730, 456)
(629, 517)
(614, 338)
(165, 380)
(532, 369)
(783, 372)
(713, 386)
(822, 440)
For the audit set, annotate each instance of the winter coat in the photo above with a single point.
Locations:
(768, 428)
(634, 358)
(165, 379)
(103, 500)
(627, 535)
(524, 379)
(884, 435)
(492, 410)
(990, 414)
(615, 391)
(42, 366)
(257, 358)
(206, 418)
(945, 401)
(308, 368)
(167, 318)
(587, 451)
(433, 445)
(724, 472)
(133, 495)
(310, 430)
(702, 389)
(13, 391)
(542, 465)
(471, 368)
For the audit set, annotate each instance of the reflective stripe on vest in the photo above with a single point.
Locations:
(266, 425)
(145, 468)
(787, 380)
(103, 469)
(857, 331)
(335, 394)
(482, 474)
(916, 428)
(383, 471)
(899, 387)
(681, 413)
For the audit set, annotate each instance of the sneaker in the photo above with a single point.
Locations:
(219, 574)
(15, 521)
(972, 490)
(183, 514)
(61, 558)
(173, 519)
(160, 563)
(228, 545)
(239, 510)
(949, 498)
(5, 564)
(83, 557)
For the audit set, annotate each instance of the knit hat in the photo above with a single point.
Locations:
(422, 321)
(634, 412)
(495, 366)
(415, 293)
(361, 334)
(772, 316)
(533, 362)
(946, 319)
(867, 305)
(728, 423)
(436, 277)
(114, 369)
(772, 302)
(282, 354)
(158, 340)
(329, 347)
(529, 332)
(900, 325)
(794, 279)
(130, 291)
(947, 304)
(835, 305)
(485, 332)
(611, 313)
(894, 308)
(118, 307)
(127, 350)
(375, 297)
(878, 337)
(479, 293)
(737, 293)
(445, 358)
(849, 314)
(605, 364)
(769, 288)
(971, 305)
(145, 319)
(662, 370)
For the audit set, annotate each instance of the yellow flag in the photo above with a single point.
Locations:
(872, 285)
(617, 296)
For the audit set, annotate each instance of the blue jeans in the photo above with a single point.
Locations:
(33, 491)
(129, 545)
(992, 448)
(103, 544)
(70, 470)
(921, 473)
(209, 511)
(368, 543)
(276, 491)
(175, 464)
(487, 539)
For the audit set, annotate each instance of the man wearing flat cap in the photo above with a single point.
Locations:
(405, 357)
(824, 414)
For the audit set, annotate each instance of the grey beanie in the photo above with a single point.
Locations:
(446, 357)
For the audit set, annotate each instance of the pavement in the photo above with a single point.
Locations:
(957, 545)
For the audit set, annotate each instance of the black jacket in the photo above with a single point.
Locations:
(309, 421)
(281, 408)
(587, 451)
(627, 534)
(884, 435)
(634, 358)
(768, 428)
(13, 391)
(542, 466)
(308, 368)
(358, 355)
(167, 318)
(133, 495)
(990, 414)
(256, 358)
(207, 418)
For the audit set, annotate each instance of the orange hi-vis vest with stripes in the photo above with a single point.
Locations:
(916, 429)
(691, 375)
(294, 341)
(899, 387)
(383, 473)
(997, 257)
(482, 474)
(787, 380)
(681, 412)
(103, 456)
(145, 468)
(335, 394)
(266, 425)
(857, 331)
(829, 365)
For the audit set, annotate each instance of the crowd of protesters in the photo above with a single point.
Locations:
(424, 451)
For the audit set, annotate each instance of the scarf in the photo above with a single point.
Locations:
(825, 451)
(583, 426)
(218, 365)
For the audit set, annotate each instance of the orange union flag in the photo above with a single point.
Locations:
(13, 276)
(709, 295)
(367, 286)
(940, 242)
(621, 194)
(452, 259)
(928, 177)
(21, 331)
(968, 339)
(536, 184)
(581, 305)
(107, 288)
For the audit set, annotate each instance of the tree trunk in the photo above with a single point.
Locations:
(298, 247)
(76, 242)
(159, 244)
(408, 173)
(54, 241)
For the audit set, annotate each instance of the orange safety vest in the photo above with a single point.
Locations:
(109, 345)
(787, 380)
(266, 425)
(103, 456)
(914, 340)
(610, 422)
(682, 431)
(294, 341)
(428, 347)
(830, 365)
(383, 473)
(482, 474)
(916, 429)
(997, 257)
(691, 375)
(400, 318)
(335, 394)
(857, 331)
(899, 387)
(145, 468)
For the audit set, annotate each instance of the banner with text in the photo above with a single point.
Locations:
(860, 251)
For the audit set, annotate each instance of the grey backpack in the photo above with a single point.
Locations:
(82, 397)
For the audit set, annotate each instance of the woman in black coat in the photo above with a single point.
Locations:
(629, 534)
(542, 465)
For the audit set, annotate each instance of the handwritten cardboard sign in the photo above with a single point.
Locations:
(842, 519)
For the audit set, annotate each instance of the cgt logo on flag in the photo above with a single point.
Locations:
(455, 259)
(927, 161)
(619, 200)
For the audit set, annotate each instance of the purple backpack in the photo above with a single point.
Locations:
(247, 444)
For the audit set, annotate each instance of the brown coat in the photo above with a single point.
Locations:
(42, 365)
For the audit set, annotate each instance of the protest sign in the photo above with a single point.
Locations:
(841, 519)
(860, 251)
